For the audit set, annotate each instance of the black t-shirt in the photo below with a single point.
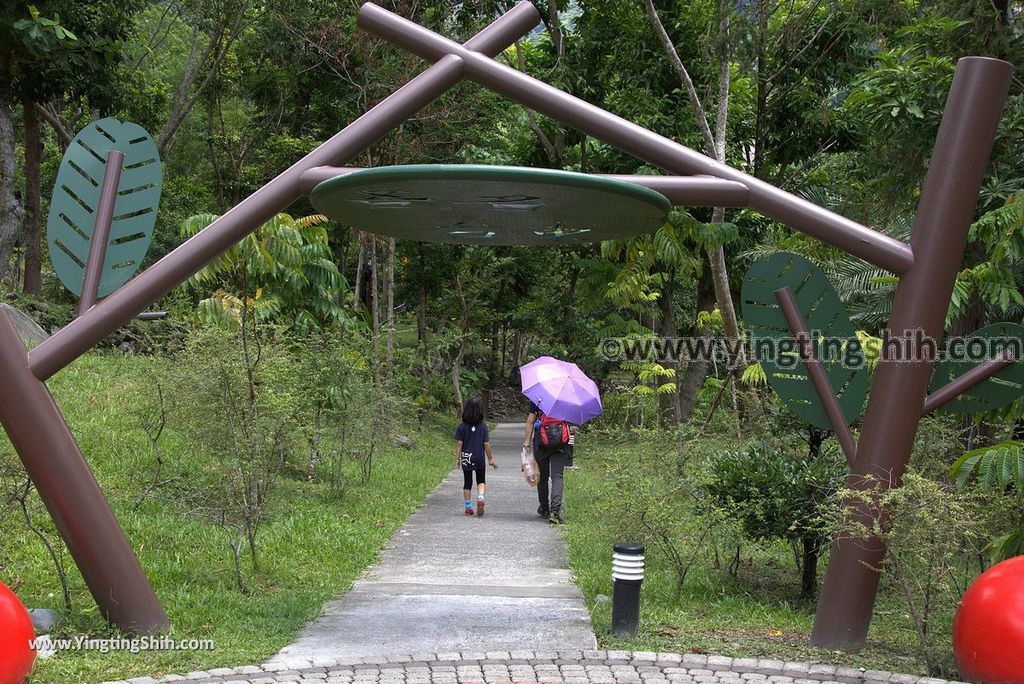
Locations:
(472, 438)
(536, 424)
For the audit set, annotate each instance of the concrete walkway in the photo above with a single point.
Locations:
(449, 582)
(459, 600)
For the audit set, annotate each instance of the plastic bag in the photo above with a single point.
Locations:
(530, 468)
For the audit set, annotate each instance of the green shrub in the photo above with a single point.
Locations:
(777, 496)
(656, 503)
(624, 409)
(238, 399)
(934, 535)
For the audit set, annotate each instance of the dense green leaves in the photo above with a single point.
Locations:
(49, 48)
(1000, 466)
(281, 272)
(775, 495)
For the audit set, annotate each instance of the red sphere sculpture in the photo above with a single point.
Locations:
(16, 656)
(988, 630)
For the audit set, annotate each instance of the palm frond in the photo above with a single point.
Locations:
(995, 467)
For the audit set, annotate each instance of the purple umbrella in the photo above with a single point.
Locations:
(561, 390)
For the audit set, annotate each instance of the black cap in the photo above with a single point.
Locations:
(630, 549)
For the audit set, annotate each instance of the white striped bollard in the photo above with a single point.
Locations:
(627, 576)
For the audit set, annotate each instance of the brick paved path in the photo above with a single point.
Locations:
(599, 667)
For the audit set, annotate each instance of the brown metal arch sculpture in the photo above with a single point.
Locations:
(927, 267)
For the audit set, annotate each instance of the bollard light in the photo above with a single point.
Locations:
(627, 576)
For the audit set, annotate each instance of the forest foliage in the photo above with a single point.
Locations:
(836, 101)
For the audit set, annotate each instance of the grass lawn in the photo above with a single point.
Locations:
(312, 546)
(755, 614)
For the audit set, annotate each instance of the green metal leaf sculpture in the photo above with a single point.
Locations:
(1005, 387)
(836, 343)
(76, 196)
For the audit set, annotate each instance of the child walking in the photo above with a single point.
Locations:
(471, 444)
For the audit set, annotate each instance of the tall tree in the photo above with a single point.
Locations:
(375, 311)
(389, 302)
(33, 282)
(11, 211)
(50, 49)
(714, 143)
(215, 26)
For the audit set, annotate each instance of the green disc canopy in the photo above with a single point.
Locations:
(494, 205)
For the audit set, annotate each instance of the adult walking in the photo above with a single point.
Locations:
(560, 394)
(552, 459)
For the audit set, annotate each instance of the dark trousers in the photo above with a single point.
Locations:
(552, 462)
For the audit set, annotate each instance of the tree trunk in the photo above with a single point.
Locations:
(375, 313)
(809, 574)
(492, 363)
(714, 142)
(204, 63)
(517, 352)
(390, 300)
(421, 316)
(422, 332)
(761, 106)
(10, 207)
(463, 334)
(457, 375)
(723, 294)
(719, 271)
(314, 446)
(33, 283)
(689, 386)
(359, 272)
(668, 403)
(504, 346)
(345, 242)
(696, 369)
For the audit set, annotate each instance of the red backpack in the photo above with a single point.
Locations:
(553, 432)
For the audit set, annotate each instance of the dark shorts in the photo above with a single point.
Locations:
(467, 475)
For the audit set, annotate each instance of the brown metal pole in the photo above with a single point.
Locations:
(805, 216)
(815, 370)
(977, 375)
(101, 231)
(82, 333)
(692, 191)
(944, 215)
(68, 488)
